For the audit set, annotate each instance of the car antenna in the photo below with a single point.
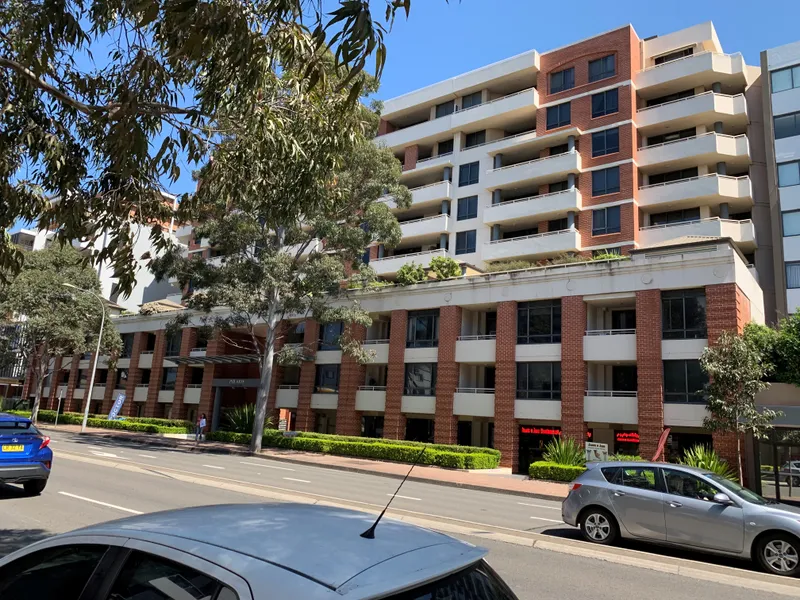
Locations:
(370, 533)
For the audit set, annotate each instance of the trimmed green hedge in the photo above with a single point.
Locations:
(137, 424)
(554, 471)
(440, 455)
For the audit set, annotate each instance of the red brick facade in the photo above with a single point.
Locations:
(411, 157)
(188, 341)
(156, 372)
(446, 425)
(351, 375)
(650, 371)
(573, 367)
(308, 373)
(506, 428)
(394, 422)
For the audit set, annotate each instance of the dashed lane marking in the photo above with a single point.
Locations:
(298, 480)
(92, 501)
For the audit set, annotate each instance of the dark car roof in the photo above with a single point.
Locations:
(14, 418)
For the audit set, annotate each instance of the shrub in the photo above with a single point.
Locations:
(508, 265)
(567, 258)
(241, 418)
(410, 273)
(565, 452)
(704, 457)
(607, 256)
(554, 472)
(625, 458)
(137, 424)
(445, 267)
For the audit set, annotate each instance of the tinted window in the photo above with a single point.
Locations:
(791, 223)
(420, 379)
(559, 186)
(558, 116)
(606, 220)
(60, 573)
(605, 142)
(602, 68)
(468, 174)
(467, 208)
(611, 474)
(423, 329)
(674, 56)
(785, 79)
(18, 427)
(327, 379)
(671, 97)
(684, 381)
(643, 478)
(127, 345)
(605, 181)
(445, 147)
(539, 381)
(605, 103)
(683, 314)
(475, 583)
(672, 176)
(475, 139)
(787, 126)
(685, 215)
(689, 486)
(465, 242)
(471, 100)
(672, 137)
(789, 174)
(446, 108)
(168, 378)
(121, 378)
(539, 322)
(329, 334)
(562, 80)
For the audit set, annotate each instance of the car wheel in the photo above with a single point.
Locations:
(779, 553)
(35, 487)
(598, 526)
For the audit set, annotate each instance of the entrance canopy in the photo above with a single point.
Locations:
(224, 359)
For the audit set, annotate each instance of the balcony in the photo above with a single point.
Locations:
(743, 233)
(692, 71)
(690, 112)
(710, 189)
(535, 246)
(681, 414)
(166, 396)
(476, 349)
(371, 398)
(146, 360)
(304, 250)
(474, 402)
(426, 226)
(390, 264)
(287, 396)
(534, 208)
(381, 349)
(98, 392)
(197, 352)
(324, 401)
(537, 410)
(431, 163)
(426, 195)
(192, 393)
(140, 393)
(548, 167)
(79, 393)
(602, 345)
(418, 405)
(610, 406)
(702, 149)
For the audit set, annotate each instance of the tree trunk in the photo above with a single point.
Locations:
(265, 381)
(739, 456)
(37, 399)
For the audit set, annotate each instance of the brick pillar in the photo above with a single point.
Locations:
(506, 428)
(215, 347)
(108, 397)
(156, 372)
(72, 404)
(394, 421)
(52, 401)
(134, 374)
(348, 420)
(573, 368)
(277, 374)
(446, 426)
(650, 371)
(411, 156)
(188, 340)
(308, 372)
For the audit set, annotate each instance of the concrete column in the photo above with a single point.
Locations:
(650, 371)
(443, 240)
(716, 87)
(722, 168)
(571, 219)
(308, 373)
(348, 421)
(498, 161)
(445, 209)
(724, 210)
(506, 428)
(394, 421)
(570, 143)
(495, 232)
(448, 174)
(718, 127)
(497, 196)
(571, 180)
(446, 425)
(573, 368)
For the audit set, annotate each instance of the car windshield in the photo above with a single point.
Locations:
(732, 486)
(478, 582)
(17, 428)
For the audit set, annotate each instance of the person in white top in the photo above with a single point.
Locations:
(200, 429)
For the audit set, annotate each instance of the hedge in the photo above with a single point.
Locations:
(142, 425)
(440, 455)
(554, 471)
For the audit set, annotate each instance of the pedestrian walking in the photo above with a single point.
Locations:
(200, 429)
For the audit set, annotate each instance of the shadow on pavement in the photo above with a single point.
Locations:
(14, 539)
(11, 492)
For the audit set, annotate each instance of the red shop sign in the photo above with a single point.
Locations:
(627, 436)
(547, 431)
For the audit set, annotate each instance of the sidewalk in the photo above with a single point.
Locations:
(493, 481)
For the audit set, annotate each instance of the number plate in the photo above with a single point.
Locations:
(13, 448)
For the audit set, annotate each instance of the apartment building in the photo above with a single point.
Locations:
(781, 75)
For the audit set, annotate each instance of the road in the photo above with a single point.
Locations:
(96, 480)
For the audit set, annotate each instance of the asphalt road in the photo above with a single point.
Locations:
(81, 493)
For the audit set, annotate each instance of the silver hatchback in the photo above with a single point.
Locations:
(683, 506)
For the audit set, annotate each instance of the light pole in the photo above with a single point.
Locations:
(96, 354)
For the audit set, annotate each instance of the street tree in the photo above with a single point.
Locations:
(736, 374)
(289, 218)
(445, 267)
(779, 347)
(104, 100)
(53, 319)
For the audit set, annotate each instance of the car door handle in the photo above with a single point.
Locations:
(674, 504)
(618, 494)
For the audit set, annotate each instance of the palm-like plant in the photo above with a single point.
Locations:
(704, 457)
(240, 419)
(565, 452)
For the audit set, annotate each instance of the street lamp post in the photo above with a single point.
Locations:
(96, 354)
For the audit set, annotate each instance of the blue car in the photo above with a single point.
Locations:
(25, 454)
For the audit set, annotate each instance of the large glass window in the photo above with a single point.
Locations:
(445, 108)
(785, 79)
(168, 378)
(606, 220)
(787, 125)
(678, 54)
(605, 181)
(671, 97)
(672, 176)
(789, 174)
(683, 314)
(174, 344)
(558, 116)
(83, 377)
(329, 334)
(602, 68)
(420, 379)
(539, 381)
(791, 223)
(465, 242)
(605, 103)
(562, 80)
(468, 174)
(327, 379)
(296, 333)
(445, 147)
(793, 275)
(121, 379)
(467, 208)
(471, 100)
(605, 142)
(423, 329)
(672, 136)
(476, 138)
(686, 215)
(127, 345)
(539, 322)
(684, 381)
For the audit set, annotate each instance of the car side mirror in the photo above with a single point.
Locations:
(722, 499)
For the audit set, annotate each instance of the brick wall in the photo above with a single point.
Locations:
(348, 421)
(573, 367)
(156, 372)
(51, 401)
(394, 422)
(506, 428)
(188, 341)
(385, 127)
(446, 424)
(134, 373)
(629, 227)
(411, 157)
(215, 347)
(72, 404)
(308, 372)
(650, 371)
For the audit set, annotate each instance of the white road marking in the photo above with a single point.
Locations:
(108, 455)
(255, 464)
(122, 508)
(214, 467)
(298, 480)
(405, 497)
(548, 520)
(96, 447)
(539, 506)
(146, 455)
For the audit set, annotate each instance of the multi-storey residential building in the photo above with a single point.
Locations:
(647, 148)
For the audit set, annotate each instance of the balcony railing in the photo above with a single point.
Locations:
(694, 137)
(430, 158)
(611, 393)
(683, 223)
(474, 390)
(646, 108)
(466, 338)
(502, 139)
(610, 332)
(420, 220)
(689, 57)
(655, 185)
(372, 388)
(528, 237)
(288, 387)
(378, 341)
(423, 253)
(528, 162)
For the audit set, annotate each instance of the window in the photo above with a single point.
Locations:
(475, 139)
(423, 329)
(623, 319)
(60, 572)
(63, 377)
(683, 314)
(605, 142)
(785, 79)
(789, 174)
(557, 224)
(174, 344)
(791, 223)
(518, 233)
(605, 103)
(168, 378)
(671, 176)
(127, 345)
(687, 215)
(642, 478)
(605, 220)
(101, 377)
(155, 578)
(144, 378)
(684, 381)
(665, 58)
(671, 137)
(689, 486)
(474, 583)
(787, 125)
(83, 376)
(329, 335)
(445, 108)
(670, 98)
(539, 381)
(296, 333)
(467, 208)
(468, 174)
(605, 181)
(445, 147)
(602, 68)
(539, 322)
(793, 275)
(559, 149)
(327, 379)
(562, 80)
(558, 116)
(420, 379)
(470, 100)
(559, 186)
(465, 242)
(121, 379)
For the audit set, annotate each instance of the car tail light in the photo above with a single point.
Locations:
(47, 464)
(45, 443)
(575, 487)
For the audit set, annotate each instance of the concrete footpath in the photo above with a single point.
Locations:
(499, 480)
